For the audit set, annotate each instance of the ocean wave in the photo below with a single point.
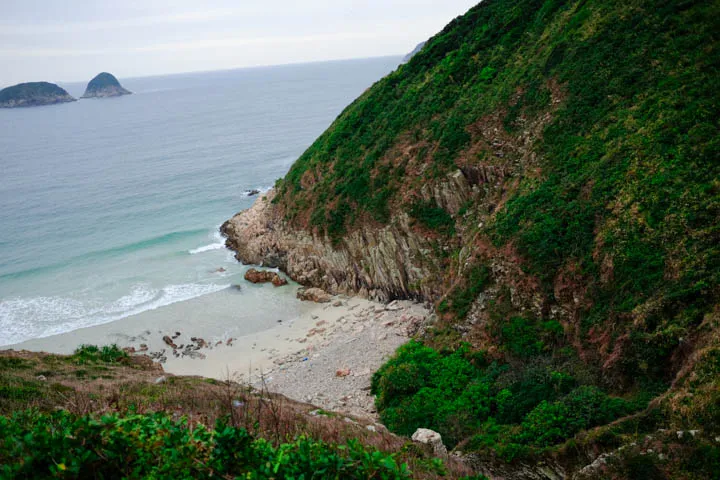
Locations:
(23, 319)
(219, 243)
(207, 248)
(106, 253)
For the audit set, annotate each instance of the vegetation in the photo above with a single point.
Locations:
(583, 273)
(30, 91)
(460, 394)
(101, 413)
(61, 445)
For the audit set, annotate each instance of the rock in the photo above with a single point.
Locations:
(168, 341)
(343, 372)
(371, 428)
(337, 304)
(393, 306)
(236, 287)
(220, 270)
(104, 85)
(143, 347)
(33, 94)
(160, 380)
(252, 193)
(432, 438)
(263, 276)
(316, 295)
(42, 378)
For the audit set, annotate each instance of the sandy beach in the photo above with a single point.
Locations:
(322, 353)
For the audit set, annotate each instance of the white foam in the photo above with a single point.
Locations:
(218, 244)
(206, 248)
(26, 318)
(248, 193)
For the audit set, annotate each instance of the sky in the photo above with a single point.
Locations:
(73, 40)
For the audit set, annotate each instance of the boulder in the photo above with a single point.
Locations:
(168, 341)
(432, 438)
(264, 276)
(316, 295)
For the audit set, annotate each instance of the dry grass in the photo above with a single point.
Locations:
(49, 382)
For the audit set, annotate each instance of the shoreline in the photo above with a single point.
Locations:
(324, 355)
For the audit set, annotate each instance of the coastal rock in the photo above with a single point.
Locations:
(104, 85)
(380, 263)
(316, 295)
(169, 342)
(263, 276)
(33, 94)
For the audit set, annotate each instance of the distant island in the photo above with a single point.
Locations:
(33, 94)
(414, 52)
(104, 85)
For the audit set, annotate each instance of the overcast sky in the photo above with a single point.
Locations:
(72, 40)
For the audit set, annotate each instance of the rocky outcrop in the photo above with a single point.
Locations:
(316, 295)
(33, 94)
(432, 438)
(383, 263)
(263, 276)
(104, 85)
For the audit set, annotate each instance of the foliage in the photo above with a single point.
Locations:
(460, 299)
(433, 217)
(458, 394)
(92, 354)
(61, 445)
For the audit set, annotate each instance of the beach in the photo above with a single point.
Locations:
(321, 353)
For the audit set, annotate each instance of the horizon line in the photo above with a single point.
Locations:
(192, 72)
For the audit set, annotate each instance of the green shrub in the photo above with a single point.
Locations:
(585, 407)
(460, 299)
(92, 354)
(34, 445)
(429, 214)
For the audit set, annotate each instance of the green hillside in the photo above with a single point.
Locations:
(589, 132)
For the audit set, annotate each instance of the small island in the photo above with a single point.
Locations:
(104, 85)
(33, 94)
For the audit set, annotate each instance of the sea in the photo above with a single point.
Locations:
(110, 208)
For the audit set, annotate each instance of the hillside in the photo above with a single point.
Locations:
(104, 85)
(546, 173)
(101, 413)
(33, 94)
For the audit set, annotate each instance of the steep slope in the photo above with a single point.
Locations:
(547, 173)
(33, 94)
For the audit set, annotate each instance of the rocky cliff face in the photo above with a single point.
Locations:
(33, 94)
(104, 85)
(386, 263)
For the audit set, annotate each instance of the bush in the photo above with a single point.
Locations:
(92, 353)
(585, 407)
(429, 214)
(34, 445)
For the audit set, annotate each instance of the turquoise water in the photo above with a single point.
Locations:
(110, 207)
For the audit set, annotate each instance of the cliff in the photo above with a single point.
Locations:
(104, 85)
(33, 94)
(545, 172)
